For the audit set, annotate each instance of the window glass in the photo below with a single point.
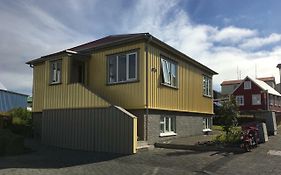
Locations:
(256, 99)
(167, 124)
(55, 71)
(240, 100)
(132, 66)
(169, 72)
(112, 66)
(207, 86)
(247, 85)
(122, 68)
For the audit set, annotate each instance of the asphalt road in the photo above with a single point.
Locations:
(48, 160)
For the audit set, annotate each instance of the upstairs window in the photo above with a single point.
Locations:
(256, 99)
(169, 72)
(240, 100)
(247, 85)
(122, 68)
(55, 71)
(207, 86)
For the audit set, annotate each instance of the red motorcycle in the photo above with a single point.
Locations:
(249, 138)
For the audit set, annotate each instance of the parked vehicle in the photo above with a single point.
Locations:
(249, 138)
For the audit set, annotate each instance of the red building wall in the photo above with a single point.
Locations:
(247, 93)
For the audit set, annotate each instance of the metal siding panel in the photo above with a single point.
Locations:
(115, 93)
(187, 98)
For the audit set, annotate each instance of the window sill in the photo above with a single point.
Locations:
(208, 96)
(166, 134)
(207, 130)
(55, 83)
(170, 86)
(122, 82)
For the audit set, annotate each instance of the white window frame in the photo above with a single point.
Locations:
(240, 100)
(171, 122)
(207, 124)
(167, 73)
(207, 86)
(55, 71)
(128, 79)
(254, 97)
(247, 84)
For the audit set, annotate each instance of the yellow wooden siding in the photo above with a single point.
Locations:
(62, 95)
(127, 95)
(189, 95)
(38, 87)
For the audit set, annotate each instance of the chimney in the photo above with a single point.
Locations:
(279, 67)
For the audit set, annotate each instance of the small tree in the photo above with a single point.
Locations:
(229, 113)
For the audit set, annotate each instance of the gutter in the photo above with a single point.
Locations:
(149, 38)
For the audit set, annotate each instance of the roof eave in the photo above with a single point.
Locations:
(187, 58)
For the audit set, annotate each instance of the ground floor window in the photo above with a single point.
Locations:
(207, 123)
(167, 125)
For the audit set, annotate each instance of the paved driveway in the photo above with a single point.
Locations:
(49, 160)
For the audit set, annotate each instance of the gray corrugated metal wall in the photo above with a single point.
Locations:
(10, 100)
(102, 129)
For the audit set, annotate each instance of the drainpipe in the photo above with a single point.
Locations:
(146, 86)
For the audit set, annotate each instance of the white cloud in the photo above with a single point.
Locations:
(199, 40)
(232, 34)
(29, 32)
(259, 42)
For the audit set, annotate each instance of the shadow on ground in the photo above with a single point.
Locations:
(40, 156)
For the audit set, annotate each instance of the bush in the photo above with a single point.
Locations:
(232, 137)
(21, 116)
(21, 122)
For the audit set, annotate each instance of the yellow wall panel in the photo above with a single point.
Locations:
(64, 95)
(126, 95)
(187, 97)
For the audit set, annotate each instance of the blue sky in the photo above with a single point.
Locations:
(225, 35)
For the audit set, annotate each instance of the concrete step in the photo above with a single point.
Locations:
(143, 145)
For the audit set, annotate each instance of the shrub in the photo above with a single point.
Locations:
(21, 116)
(232, 137)
(21, 122)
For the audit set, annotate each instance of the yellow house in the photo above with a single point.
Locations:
(157, 91)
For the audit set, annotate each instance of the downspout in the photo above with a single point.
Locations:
(146, 86)
(268, 100)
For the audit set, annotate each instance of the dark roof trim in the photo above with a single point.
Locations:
(146, 36)
(187, 58)
(11, 92)
(47, 57)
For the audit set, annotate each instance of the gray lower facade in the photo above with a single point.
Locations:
(110, 129)
(186, 124)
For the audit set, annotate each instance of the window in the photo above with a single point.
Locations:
(270, 99)
(247, 85)
(207, 123)
(275, 101)
(167, 126)
(55, 71)
(122, 68)
(240, 100)
(256, 99)
(207, 86)
(169, 72)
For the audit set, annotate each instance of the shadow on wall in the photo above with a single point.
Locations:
(51, 157)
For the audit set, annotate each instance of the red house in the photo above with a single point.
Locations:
(256, 95)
